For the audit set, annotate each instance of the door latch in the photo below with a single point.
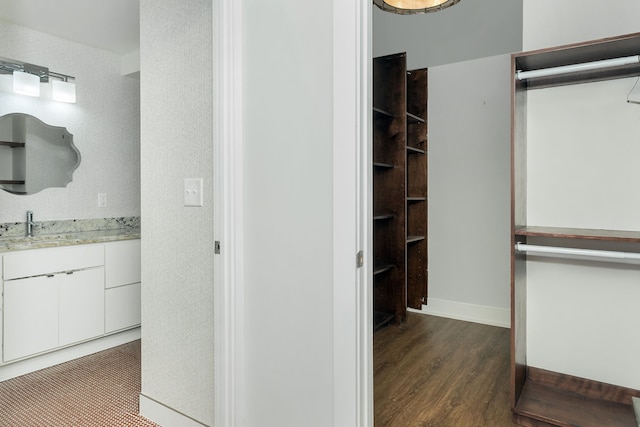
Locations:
(216, 247)
(360, 259)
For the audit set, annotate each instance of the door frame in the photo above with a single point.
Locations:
(352, 217)
(228, 213)
(352, 224)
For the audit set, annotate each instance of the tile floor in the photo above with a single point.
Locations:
(98, 390)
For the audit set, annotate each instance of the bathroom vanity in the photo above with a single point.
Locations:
(67, 295)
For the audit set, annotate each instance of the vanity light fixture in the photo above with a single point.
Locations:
(26, 84)
(63, 91)
(28, 77)
(410, 7)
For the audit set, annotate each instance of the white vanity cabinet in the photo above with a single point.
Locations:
(30, 316)
(122, 285)
(52, 298)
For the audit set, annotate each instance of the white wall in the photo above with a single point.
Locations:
(582, 150)
(469, 190)
(105, 123)
(177, 241)
(549, 23)
(582, 314)
(469, 30)
(288, 214)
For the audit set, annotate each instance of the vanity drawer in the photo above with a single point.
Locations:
(36, 262)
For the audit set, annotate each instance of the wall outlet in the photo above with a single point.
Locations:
(102, 200)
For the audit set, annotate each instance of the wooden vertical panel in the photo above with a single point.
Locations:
(417, 257)
(389, 186)
(518, 219)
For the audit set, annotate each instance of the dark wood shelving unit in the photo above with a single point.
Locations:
(13, 178)
(399, 185)
(389, 163)
(539, 397)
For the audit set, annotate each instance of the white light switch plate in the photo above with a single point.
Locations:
(102, 200)
(193, 191)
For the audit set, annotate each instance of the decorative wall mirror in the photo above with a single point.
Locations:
(35, 155)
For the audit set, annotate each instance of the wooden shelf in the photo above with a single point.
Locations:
(414, 150)
(382, 165)
(382, 269)
(414, 239)
(416, 199)
(412, 118)
(381, 319)
(382, 112)
(383, 217)
(556, 406)
(11, 181)
(580, 233)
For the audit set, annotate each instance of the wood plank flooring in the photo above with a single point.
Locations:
(437, 372)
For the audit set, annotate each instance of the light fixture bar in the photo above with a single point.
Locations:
(574, 68)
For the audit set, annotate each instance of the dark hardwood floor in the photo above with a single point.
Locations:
(437, 372)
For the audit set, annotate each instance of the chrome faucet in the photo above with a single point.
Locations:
(30, 224)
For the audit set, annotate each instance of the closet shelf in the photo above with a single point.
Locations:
(383, 217)
(416, 199)
(550, 404)
(382, 269)
(414, 150)
(12, 144)
(382, 112)
(382, 165)
(381, 319)
(579, 233)
(412, 118)
(413, 239)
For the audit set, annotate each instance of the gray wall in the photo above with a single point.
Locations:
(177, 242)
(469, 182)
(288, 213)
(471, 29)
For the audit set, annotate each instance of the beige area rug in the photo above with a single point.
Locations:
(99, 390)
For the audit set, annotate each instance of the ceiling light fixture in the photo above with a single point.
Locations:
(28, 77)
(409, 7)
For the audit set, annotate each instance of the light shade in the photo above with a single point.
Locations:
(63, 91)
(26, 84)
(406, 7)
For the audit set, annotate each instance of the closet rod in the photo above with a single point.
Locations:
(554, 250)
(573, 68)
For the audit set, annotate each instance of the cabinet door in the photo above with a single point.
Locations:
(81, 299)
(122, 307)
(122, 263)
(30, 316)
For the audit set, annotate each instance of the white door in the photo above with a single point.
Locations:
(30, 316)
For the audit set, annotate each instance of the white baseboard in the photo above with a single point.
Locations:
(469, 312)
(163, 415)
(21, 367)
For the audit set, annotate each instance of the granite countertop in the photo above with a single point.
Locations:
(66, 233)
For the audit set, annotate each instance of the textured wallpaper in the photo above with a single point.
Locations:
(177, 242)
(105, 123)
